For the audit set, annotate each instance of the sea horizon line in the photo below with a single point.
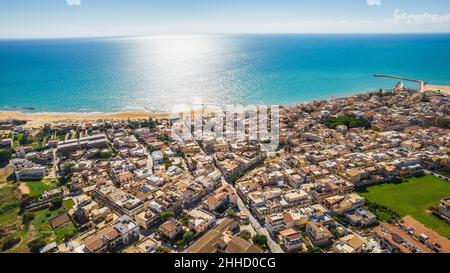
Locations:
(225, 34)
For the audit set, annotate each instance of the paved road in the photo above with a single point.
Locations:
(273, 246)
(437, 175)
(149, 161)
(54, 172)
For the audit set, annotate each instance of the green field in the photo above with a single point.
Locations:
(39, 226)
(39, 187)
(9, 208)
(9, 205)
(42, 225)
(414, 197)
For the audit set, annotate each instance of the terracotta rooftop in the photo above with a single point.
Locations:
(96, 242)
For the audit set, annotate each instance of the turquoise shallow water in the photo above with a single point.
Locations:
(155, 73)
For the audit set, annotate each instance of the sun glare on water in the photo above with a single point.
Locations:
(182, 67)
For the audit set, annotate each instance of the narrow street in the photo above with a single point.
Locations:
(149, 162)
(273, 246)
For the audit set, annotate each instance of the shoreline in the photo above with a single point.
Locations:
(39, 119)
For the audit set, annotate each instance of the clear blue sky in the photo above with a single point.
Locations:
(58, 18)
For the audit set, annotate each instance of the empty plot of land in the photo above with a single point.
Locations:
(38, 187)
(5, 173)
(23, 187)
(414, 197)
(60, 220)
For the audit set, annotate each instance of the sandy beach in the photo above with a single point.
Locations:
(445, 89)
(39, 119)
(35, 120)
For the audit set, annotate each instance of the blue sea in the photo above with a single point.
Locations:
(155, 73)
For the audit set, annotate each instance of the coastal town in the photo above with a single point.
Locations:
(367, 173)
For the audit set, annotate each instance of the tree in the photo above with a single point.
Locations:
(27, 217)
(260, 240)
(230, 213)
(36, 245)
(187, 237)
(166, 161)
(148, 123)
(314, 250)
(180, 243)
(9, 242)
(184, 219)
(69, 236)
(167, 214)
(161, 249)
(56, 203)
(245, 234)
(104, 154)
(5, 155)
(349, 121)
(24, 202)
(383, 214)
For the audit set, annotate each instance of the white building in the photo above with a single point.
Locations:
(26, 170)
(157, 157)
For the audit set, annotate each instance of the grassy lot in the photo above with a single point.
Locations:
(9, 199)
(414, 197)
(349, 121)
(42, 226)
(39, 226)
(9, 208)
(16, 140)
(9, 205)
(38, 187)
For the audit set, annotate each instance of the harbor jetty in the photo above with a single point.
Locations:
(423, 85)
(420, 82)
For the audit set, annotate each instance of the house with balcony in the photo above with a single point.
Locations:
(171, 228)
(319, 234)
(291, 240)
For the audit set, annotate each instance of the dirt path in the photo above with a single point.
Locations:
(24, 188)
(5, 173)
(22, 246)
